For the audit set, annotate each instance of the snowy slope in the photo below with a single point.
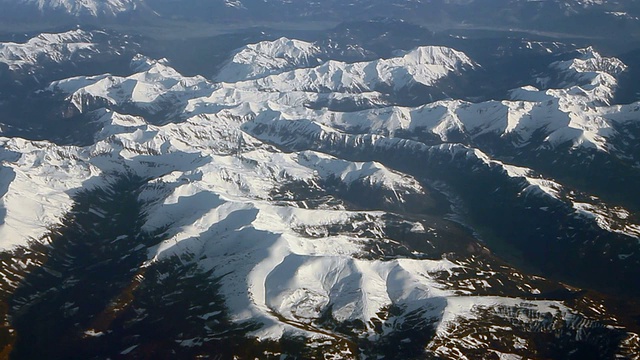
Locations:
(424, 65)
(267, 58)
(153, 87)
(48, 48)
(38, 178)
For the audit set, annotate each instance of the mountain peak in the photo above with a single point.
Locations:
(437, 55)
(93, 8)
(268, 57)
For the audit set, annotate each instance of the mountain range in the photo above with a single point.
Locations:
(317, 199)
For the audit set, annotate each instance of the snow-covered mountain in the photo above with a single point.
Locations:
(154, 87)
(576, 116)
(75, 46)
(267, 58)
(422, 66)
(79, 8)
(239, 212)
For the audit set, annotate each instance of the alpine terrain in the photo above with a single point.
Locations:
(367, 188)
